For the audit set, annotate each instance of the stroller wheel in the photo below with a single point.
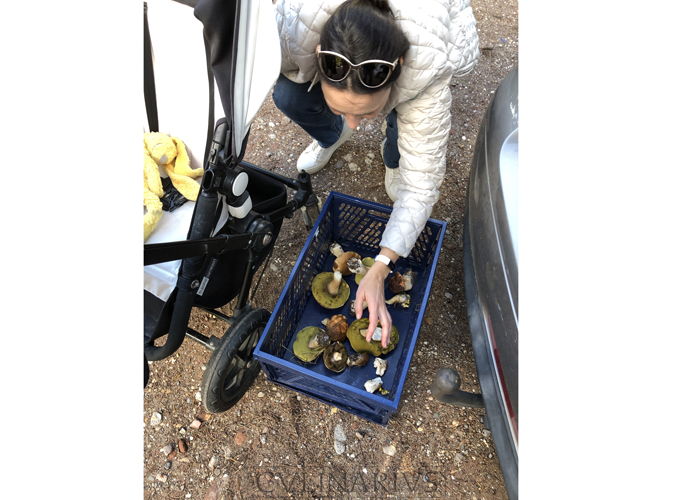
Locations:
(231, 368)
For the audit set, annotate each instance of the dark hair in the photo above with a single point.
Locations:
(362, 30)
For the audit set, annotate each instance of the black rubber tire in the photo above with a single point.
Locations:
(231, 368)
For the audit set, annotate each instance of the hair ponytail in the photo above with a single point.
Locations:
(362, 30)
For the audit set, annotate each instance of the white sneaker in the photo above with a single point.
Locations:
(391, 178)
(315, 157)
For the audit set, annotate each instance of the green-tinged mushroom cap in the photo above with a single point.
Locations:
(300, 345)
(374, 347)
(323, 297)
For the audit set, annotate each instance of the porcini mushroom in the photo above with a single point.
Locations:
(402, 298)
(334, 285)
(340, 263)
(335, 357)
(399, 283)
(335, 249)
(358, 359)
(325, 285)
(336, 327)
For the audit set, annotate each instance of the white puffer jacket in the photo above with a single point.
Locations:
(444, 44)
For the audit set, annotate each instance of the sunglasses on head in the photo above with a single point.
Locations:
(373, 73)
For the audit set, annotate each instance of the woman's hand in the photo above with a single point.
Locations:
(371, 290)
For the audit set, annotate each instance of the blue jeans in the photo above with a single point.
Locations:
(310, 111)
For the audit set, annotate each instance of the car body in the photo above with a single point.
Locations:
(491, 258)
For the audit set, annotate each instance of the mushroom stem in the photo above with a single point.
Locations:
(336, 249)
(355, 265)
(333, 286)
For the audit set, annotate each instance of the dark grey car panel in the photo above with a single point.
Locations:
(491, 277)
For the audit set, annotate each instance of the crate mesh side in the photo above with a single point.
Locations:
(296, 299)
(311, 386)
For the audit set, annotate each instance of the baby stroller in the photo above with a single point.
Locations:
(206, 253)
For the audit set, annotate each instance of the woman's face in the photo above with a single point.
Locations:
(354, 107)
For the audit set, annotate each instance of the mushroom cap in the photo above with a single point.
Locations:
(336, 327)
(374, 347)
(358, 359)
(367, 262)
(300, 344)
(322, 296)
(335, 365)
(396, 283)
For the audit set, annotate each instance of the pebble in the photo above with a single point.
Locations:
(339, 447)
(271, 124)
(486, 433)
(167, 449)
(195, 424)
(213, 461)
(161, 477)
(285, 120)
(359, 435)
(348, 157)
(353, 167)
(272, 136)
(449, 295)
(371, 155)
(263, 439)
(261, 394)
(339, 434)
(340, 164)
(167, 465)
(155, 418)
(240, 438)
(182, 445)
(389, 450)
(198, 396)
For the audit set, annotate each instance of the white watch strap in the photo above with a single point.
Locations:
(384, 259)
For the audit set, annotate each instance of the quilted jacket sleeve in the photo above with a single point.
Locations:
(424, 125)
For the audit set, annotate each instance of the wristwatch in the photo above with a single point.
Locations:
(386, 261)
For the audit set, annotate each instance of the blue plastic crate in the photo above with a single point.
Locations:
(357, 225)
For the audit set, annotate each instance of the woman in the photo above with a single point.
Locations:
(343, 61)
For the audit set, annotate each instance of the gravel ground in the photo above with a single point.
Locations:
(276, 443)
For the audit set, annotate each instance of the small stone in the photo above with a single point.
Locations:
(155, 418)
(459, 457)
(167, 465)
(359, 435)
(332, 411)
(389, 450)
(182, 431)
(167, 449)
(198, 396)
(265, 430)
(371, 155)
(195, 424)
(490, 455)
(182, 446)
(339, 434)
(486, 433)
(271, 124)
(339, 447)
(263, 439)
(272, 136)
(449, 296)
(172, 454)
(273, 267)
(212, 462)
(240, 438)
(162, 478)
(353, 167)
(261, 394)
(339, 164)
(348, 157)
(455, 423)
(285, 120)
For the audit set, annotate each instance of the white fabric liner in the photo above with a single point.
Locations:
(182, 96)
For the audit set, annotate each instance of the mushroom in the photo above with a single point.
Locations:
(305, 338)
(352, 309)
(380, 366)
(374, 347)
(402, 298)
(358, 359)
(401, 282)
(335, 249)
(372, 385)
(340, 263)
(336, 327)
(335, 357)
(324, 295)
(321, 339)
(355, 265)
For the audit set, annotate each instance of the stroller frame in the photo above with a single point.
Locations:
(231, 368)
